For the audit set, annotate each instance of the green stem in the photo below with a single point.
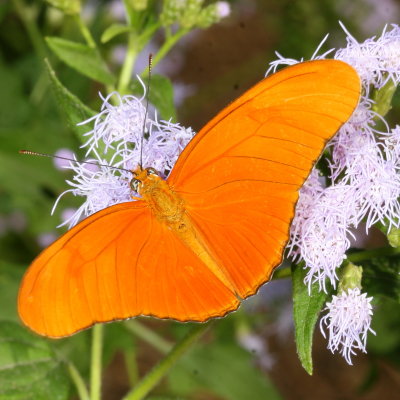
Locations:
(79, 382)
(127, 68)
(40, 89)
(155, 375)
(148, 336)
(128, 12)
(168, 44)
(95, 363)
(90, 42)
(368, 254)
(85, 31)
(28, 18)
(131, 366)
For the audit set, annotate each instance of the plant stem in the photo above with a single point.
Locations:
(148, 336)
(368, 254)
(85, 31)
(96, 362)
(28, 15)
(90, 42)
(131, 366)
(79, 382)
(155, 375)
(40, 89)
(168, 44)
(127, 67)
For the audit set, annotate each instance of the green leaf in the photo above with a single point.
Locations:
(10, 278)
(29, 369)
(223, 369)
(71, 107)
(33, 185)
(83, 58)
(161, 95)
(28, 198)
(381, 276)
(114, 30)
(72, 348)
(383, 98)
(305, 314)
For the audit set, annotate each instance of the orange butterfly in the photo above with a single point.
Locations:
(210, 235)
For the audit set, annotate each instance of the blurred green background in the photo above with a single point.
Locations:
(208, 68)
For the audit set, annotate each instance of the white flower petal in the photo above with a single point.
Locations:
(348, 321)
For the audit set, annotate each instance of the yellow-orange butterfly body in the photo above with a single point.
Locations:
(214, 231)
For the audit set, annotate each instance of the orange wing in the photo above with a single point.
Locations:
(116, 264)
(240, 175)
(239, 178)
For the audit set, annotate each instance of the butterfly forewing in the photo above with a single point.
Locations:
(240, 176)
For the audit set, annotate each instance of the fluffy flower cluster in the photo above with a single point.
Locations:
(348, 322)
(123, 129)
(364, 181)
(364, 186)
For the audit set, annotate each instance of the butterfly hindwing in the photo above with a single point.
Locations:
(118, 263)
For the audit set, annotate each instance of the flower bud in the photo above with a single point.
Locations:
(350, 278)
(69, 7)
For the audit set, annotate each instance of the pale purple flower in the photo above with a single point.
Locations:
(355, 137)
(320, 232)
(223, 9)
(102, 187)
(348, 322)
(363, 187)
(311, 190)
(117, 125)
(376, 60)
(166, 142)
(391, 144)
(364, 169)
(68, 214)
(283, 61)
(117, 10)
(62, 157)
(257, 345)
(118, 133)
(46, 239)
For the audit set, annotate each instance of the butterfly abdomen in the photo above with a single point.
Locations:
(169, 208)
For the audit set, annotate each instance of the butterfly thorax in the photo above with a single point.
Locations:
(166, 205)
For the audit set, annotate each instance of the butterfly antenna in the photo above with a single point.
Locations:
(35, 153)
(146, 110)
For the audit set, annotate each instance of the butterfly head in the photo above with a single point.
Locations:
(143, 177)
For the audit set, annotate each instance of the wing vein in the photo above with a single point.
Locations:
(272, 161)
(238, 180)
(288, 140)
